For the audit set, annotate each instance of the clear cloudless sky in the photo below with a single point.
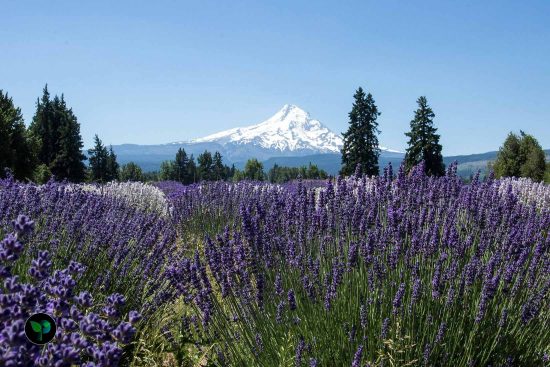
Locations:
(162, 71)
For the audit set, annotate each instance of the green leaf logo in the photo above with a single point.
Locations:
(40, 328)
(37, 328)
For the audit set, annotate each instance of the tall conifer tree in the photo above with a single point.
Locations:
(423, 144)
(180, 167)
(112, 165)
(361, 139)
(15, 147)
(56, 131)
(98, 159)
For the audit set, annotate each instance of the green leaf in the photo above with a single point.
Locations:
(36, 326)
(46, 326)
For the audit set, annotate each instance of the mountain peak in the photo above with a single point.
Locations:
(290, 112)
(289, 129)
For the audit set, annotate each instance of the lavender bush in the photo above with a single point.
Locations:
(87, 334)
(401, 269)
(405, 270)
(123, 247)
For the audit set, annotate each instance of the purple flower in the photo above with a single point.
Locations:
(398, 298)
(134, 317)
(299, 350)
(385, 328)
(291, 300)
(440, 332)
(23, 225)
(357, 357)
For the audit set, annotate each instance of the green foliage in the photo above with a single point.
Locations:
(167, 171)
(547, 173)
(360, 150)
(184, 169)
(112, 165)
(56, 133)
(219, 170)
(42, 174)
(520, 156)
(98, 161)
(131, 172)
(181, 164)
(254, 170)
(15, 145)
(423, 144)
(151, 176)
(281, 174)
(205, 166)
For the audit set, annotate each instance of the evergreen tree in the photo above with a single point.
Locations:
(218, 169)
(361, 138)
(167, 171)
(192, 170)
(180, 167)
(281, 174)
(112, 165)
(98, 160)
(254, 170)
(423, 144)
(43, 129)
(205, 166)
(56, 132)
(131, 172)
(520, 156)
(15, 147)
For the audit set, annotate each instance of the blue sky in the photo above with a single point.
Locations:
(161, 71)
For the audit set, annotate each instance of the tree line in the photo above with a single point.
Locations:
(520, 156)
(210, 167)
(52, 146)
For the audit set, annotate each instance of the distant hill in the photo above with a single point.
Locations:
(331, 163)
(467, 164)
(291, 137)
(150, 159)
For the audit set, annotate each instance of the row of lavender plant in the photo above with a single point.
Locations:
(411, 270)
(88, 333)
(123, 247)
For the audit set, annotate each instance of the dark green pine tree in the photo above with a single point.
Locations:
(131, 172)
(205, 166)
(180, 167)
(56, 133)
(44, 130)
(423, 144)
(15, 147)
(98, 160)
(218, 168)
(112, 165)
(361, 139)
(191, 170)
(69, 160)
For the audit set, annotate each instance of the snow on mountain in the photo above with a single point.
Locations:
(290, 129)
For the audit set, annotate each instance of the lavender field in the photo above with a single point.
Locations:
(397, 270)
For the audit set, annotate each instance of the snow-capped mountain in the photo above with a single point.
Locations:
(291, 136)
(289, 130)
